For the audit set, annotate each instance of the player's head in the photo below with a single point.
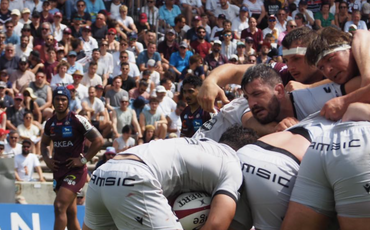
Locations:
(61, 99)
(331, 53)
(264, 90)
(294, 49)
(190, 88)
(237, 136)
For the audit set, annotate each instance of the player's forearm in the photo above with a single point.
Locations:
(45, 151)
(97, 142)
(228, 74)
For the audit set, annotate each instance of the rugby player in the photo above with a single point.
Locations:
(131, 191)
(68, 132)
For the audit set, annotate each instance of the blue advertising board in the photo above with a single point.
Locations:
(31, 217)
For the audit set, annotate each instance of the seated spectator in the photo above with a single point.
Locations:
(218, 27)
(240, 23)
(80, 88)
(180, 60)
(21, 77)
(89, 43)
(174, 119)
(9, 60)
(26, 163)
(195, 67)
(99, 29)
(125, 141)
(180, 28)
(102, 69)
(11, 36)
(240, 53)
(226, 25)
(62, 78)
(192, 33)
(8, 100)
(57, 27)
(263, 57)
(228, 47)
(113, 44)
(90, 78)
(50, 64)
(148, 135)
(2, 117)
(166, 104)
(154, 76)
(324, 18)
(146, 76)
(110, 153)
(126, 22)
(30, 104)
(215, 58)
(106, 60)
(98, 115)
(73, 65)
(201, 46)
(12, 147)
(15, 113)
(167, 47)
(155, 118)
(2, 152)
(115, 93)
(168, 12)
(123, 116)
(23, 49)
(149, 14)
(356, 20)
(253, 32)
(149, 53)
(140, 90)
(75, 103)
(81, 13)
(133, 45)
(99, 93)
(128, 82)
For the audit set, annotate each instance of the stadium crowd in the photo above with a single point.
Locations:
(144, 70)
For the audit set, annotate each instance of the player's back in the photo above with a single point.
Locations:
(186, 164)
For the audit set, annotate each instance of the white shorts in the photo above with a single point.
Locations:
(335, 172)
(269, 175)
(123, 194)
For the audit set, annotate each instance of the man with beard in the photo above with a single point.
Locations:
(193, 115)
(42, 90)
(23, 49)
(167, 47)
(180, 23)
(26, 163)
(263, 57)
(215, 58)
(22, 77)
(201, 46)
(68, 163)
(43, 48)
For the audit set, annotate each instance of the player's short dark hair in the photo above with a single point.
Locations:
(126, 129)
(261, 71)
(237, 136)
(181, 104)
(303, 34)
(327, 38)
(193, 80)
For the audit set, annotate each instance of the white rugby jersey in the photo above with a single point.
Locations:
(187, 164)
(229, 115)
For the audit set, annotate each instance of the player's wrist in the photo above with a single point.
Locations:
(83, 159)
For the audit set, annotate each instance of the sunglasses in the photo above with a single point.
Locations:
(124, 101)
(26, 30)
(26, 146)
(66, 33)
(13, 138)
(227, 35)
(291, 26)
(111, 34)
(272, 20)
(124, 57)
(252, 61)
(77, 76)
(111, 155)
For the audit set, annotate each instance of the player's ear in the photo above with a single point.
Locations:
(279, 90)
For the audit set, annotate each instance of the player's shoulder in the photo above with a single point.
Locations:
(82, 120)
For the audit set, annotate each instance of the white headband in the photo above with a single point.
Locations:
(332, 50)
(297, 50)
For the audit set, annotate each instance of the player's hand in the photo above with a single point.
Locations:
(207, 95)
(52, 164)
(334, 109)
(357, 112)
(74, 163)
(294, 85)
(286, 123)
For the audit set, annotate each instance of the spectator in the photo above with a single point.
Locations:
(76, 28)
(125, 141)
(29, 131)
(226, 26)
(99, 29)
(272, 7)
(97, 113)
(166, 104)
(115, 93)
(89, 43)
(30, 105)
(81, 90)
(201, 46)
(215, 58)
(82, 14)
(195, 67)
(11, 37)
(300, 20)
(50, 64)
(168, 12)
(57, 27)
(180, 60)
(122, 116)
(272, 29)
(191, 7)
(110, 153)
(258, 11)
(113, 44)
(241, 22)
(13, 148)
(113, 7)
(4, 12)
(2, 42)
(356, 20)
(25, 163)
(146, 76)
(143, 25)
(193, 116)
(218, 27)
(17, 26)
(102, 70)
(150, 53)
(123, 47)
(192, 33)
(126, 22)
(2, 152)
(45, 15)
(253, 32)
(8, 100)
(180, 25)
(43, 49)
(21, 77)
(281, 20)
(148, 135)
(35, 24)
(9, 61)
(151, 12)
(2, 119)
(93, 7)
(155, 118)
(228, 48)
(73, 65)
(204, 23)
(174, 119)
(154, 75)
(307, 14)
(324, 18)
(62, 78)
(240, 53)
(140, 90)
(23, 49)
(77, 46)
(342, 16)
(106, 60)
(90, 78)
(75, 103)
(263, 57)
(41, 90)
(167, 47)
(229, 10)
(133, 45)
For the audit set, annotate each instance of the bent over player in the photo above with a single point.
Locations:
(131, 191)
(68, 132)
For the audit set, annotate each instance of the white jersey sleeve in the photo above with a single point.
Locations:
(310, 100)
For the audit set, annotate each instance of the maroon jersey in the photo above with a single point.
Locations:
(191, 122)
(68, 137)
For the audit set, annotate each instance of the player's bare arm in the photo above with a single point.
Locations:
(50, 162)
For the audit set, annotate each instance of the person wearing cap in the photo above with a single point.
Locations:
(81, 90)
(113, 44)
(133, 45)
(201, 46)
(99, 29)
(26, 163)
(308, 14)
(68, 133)
(271, 29)
(125, 141)
(229, 10)
(45, 15)
(218, 27)
(166, 104)
(191, 34)
(42, 90)
(180, 59)
(240, 53)
(30, 104)
(153, 74)
(89, 43)
(22, 76)
(356, 20)
(167, 47)
(82, 14)
(191, 7)
(17, 26)
(126, 22)
(241, 22)
(168, 12)
(57, 27)
(149, 53)
(25, 16)
(75, 103)
(215, 58)
(73, 65)
(15, 113)
(110, 153)
(35, 23)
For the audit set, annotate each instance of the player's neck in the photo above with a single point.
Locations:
(61, 116)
